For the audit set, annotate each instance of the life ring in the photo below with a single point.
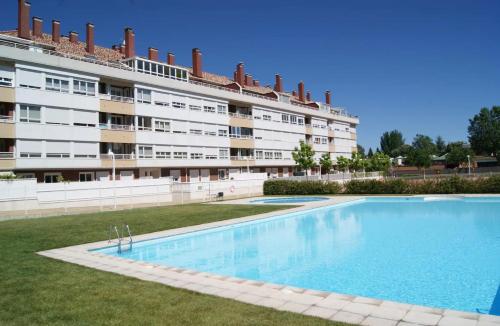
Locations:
(232, 188)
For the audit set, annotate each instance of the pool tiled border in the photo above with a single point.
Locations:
(327, 305)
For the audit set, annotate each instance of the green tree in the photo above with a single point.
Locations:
(424, 143)
(440, 145)
(304, 156)
(404, 150)
(420, 157)
(391, 141)
(361, 150)
(342, 163)
(370, 152)
(325, 161)
(484, 132)
(379, 162)
(457, 153)
(356, 163)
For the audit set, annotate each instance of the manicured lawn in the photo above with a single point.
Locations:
(39, 290)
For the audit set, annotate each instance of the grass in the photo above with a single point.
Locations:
(36, 290)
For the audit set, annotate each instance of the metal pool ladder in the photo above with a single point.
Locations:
(123, 242)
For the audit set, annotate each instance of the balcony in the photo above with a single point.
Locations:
(111, 133)
(309, 130)
(241, 141)
(240, 120)
(116, 98)
(121, 160)
(242, 160)
(7, 94)
(6, 155)
(7, 127)
(120, 105)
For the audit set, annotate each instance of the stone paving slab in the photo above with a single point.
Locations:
(327, 305)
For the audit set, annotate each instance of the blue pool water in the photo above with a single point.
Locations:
(288, 200)
(434, 252)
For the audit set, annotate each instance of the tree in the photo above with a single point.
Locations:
(457, 153)
(420, 157)
(484, 132)
(424, 143)
(304, 156)
(370, 152)
(379, 162)
(325, 162)
(343, 163)
(356, 162)
(361, 150)
(391, 141)
(440, 145)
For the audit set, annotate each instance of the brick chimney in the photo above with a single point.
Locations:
(121, 49)
(153, 54)
(240, 74)
(294, 93)
(248, 80)
(73, 37)
(256, 83)
(129, 43)
(171, 58)
(301, 91)
(90, 38)
(23, 19)
(37, 26)
(308, 95)
(56, 31)
(328, 98)
(278, 85)
(197, 71)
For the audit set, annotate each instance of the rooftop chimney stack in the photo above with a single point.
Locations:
(129, 43)
(197, 71)
(90, 38)
(73, 37)
(328, 98)
(278, 85)
(248, 80)
(240, 74)
(308, 96)
(23, 19)
(37, 26)
(152, 54)
(294, 93)
(256, 83)
(171, 58)
(56, 31)
(301, 91)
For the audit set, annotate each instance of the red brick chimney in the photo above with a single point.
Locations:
(23, 19)
(153, 54)
(90, 38)
(197, 71)
(301, 91)
(121, 49)
(308, 95)
(129, 43)
(171, 58)
(37, 26)
(278, 85)
(73, 37)
(240, 74)
(248, 80)
(294, 93)
(328, 98)
(256, 83)
(56, 31)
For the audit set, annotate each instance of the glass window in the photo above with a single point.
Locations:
(223, 132)
(143, 95)
(86, 176)
(209, 109)
(29, 114)
(83, 87)
(164, 155)
(266, 117)
(56, 84)
(180, 155)
(221, 109)
(195, 108)
(284, 118)
(162, 125)
(52, 177)
(145, 151)
(223, 154)
(293, 119)
(259, 155)
(195, 131)
(196, 156)
(178, 105)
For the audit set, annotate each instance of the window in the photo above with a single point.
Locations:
(58, 85)
(259, 155)
(145, 151)
(144, 95)
(180, 155)
(223, 154)
(29, 113)
(300, 121)
(144, 123)
(210, 133)
(58, 155)
(268, 155)
(52, 177)
(278, 155)
(179, 105)
(293, 119)
(4, 81)
(195, 131)
(222, 132)
(30, 154)
(257, 117)
(196, 156)
(317, 140)
(210, 157)
(266, 117)
(160, 103)
(162, 125)
(221, 109)
(324, 140)
(285, 118)
(222, 174)
(86, 176)
(195, 108)
(209, 109)
(163, 155)
(85, 156)
(83, 87)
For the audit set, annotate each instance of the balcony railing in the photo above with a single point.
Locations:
(240, 136)
(116, 127)
(241, 158)
(240, 115)
(6, 155)
(117, 98)
(118, 156)
(259, 96)
(196, 82)
(6, 118)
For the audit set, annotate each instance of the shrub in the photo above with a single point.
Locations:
(292, 187)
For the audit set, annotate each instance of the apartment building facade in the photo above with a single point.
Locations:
(75, 111)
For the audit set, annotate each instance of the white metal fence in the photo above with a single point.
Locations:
(338, 177)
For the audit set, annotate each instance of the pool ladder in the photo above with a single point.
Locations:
(123, 242)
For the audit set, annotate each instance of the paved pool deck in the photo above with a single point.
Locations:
(327, 305)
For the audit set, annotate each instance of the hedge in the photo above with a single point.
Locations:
(452, 185)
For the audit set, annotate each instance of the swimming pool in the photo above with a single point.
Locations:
(288, 200)
(427, 251)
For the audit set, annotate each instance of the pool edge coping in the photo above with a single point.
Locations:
(323, 304)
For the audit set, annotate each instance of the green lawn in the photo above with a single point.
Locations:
(39, 290)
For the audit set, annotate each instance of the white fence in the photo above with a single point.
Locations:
(339, 177)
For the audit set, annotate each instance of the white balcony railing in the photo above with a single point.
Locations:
(6, 118)
(118, 156)
(240, 136)
(116, 127)
(117, 98)
(241, 158)
(240, 115)
(6, 155)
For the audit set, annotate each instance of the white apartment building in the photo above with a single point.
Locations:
(72, 110)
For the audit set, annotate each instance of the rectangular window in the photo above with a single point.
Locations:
(300, 121)
(293, 119)
(29, 113)
(210, 133)
(160, 103)
(268, 155)
(4, 81)
(195, 108)
(164, 155)
(162, 125)
(259, 155)
(209, 109)
(58, 155)
(195, 131)
(55, 84)
(86, 176)
(210, 157)
(278, 155)
(52, 177)
(145, 151)
(179, 105)
(144, 123)
(144, 95)
(324, 141)
(222, 132)
(266, 117)
(196, 156)
(285, 118)
(180, 155)
(83, 87)
(317, 140)
(223, 154)
(221, 109)
(30, 154)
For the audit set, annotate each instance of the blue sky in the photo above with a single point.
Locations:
(421, 66)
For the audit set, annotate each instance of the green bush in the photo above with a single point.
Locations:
(291, 187)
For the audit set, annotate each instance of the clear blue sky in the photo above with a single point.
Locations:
(421, 66)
